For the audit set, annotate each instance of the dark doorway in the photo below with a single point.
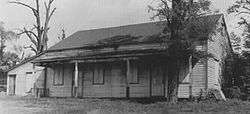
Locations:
(156, 80)
(12, 84)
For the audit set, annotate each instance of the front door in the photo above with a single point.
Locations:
(12, 84)
(157, 85)
(29, 82)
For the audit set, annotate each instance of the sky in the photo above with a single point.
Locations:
(75, 15)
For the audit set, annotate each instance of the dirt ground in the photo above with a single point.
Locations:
(29, 105)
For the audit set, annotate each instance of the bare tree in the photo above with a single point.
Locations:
(180, 18)
(38, 35)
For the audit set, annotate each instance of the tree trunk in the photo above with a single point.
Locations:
(175, 52)
(173, 80)
(1, 49)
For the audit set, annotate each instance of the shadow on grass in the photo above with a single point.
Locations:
(149, 100)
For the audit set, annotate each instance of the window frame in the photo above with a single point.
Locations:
(98, 68)
(54, 75)
(135, 68)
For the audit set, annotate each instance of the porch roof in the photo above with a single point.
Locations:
(124, 51)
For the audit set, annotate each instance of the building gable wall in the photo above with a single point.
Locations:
(24, 83)
(207, 73)
(219, 48)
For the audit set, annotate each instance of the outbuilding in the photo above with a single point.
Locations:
(23, 78)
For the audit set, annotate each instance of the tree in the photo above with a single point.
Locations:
(5, 35)
(241, 8)
(10, 59)
(39, 38)
(19, 50)
(62, 36)
(236, 40)
(181, 20)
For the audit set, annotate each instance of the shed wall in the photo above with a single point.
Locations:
(23, 84)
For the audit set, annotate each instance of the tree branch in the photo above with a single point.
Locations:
(246, 8)
(23, 4)
(30, 37)
(53, 11)
(26, 31)
(35, 11)
(243, 12)
(48, 16)
(38, 38)
(32, 48)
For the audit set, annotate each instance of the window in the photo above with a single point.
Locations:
(98, 75)
(58, 75)
(134, 79)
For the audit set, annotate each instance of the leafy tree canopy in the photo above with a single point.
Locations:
(241, 8)
(6, 58)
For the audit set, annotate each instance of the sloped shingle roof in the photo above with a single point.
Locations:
(86, 37)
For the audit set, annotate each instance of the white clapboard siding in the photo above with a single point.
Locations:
(198, 77)
(113, 86)
(184, 91)
(24, 83)
(213, 74)
(184, 79)
(219, 48)
(142, 88)
(64, 90)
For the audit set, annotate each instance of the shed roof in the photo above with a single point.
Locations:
(23, 62)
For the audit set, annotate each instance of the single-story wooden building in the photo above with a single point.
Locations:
(130, 61)
(24, 77)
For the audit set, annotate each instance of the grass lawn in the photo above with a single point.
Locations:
(120, 106)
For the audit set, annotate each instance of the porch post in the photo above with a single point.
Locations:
(76, 79)
(190, 75)
(127, 77)
(166, 81)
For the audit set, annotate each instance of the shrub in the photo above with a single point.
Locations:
(206, 95)
(234, 93)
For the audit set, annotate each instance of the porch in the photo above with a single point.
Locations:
(131, 77)
(127, 77)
